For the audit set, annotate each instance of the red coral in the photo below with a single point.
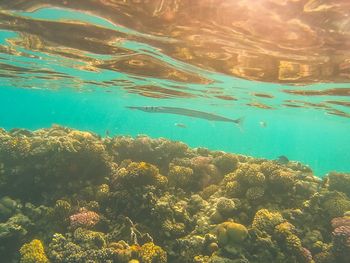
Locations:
(84, 219)
(306, 255)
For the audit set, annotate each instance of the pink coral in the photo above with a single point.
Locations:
(201, 162)
(341, 238)
(340, 221)
(306, 255)
(84, 218)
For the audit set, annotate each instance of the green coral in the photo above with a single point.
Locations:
(15, 227)
(33, 252)
(335, 204)
(102, 192)
(62, 209)
(91, 239)
(84, 247)
(339, 182)
(8, 207)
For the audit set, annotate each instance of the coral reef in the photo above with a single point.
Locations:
(72, 196)
(33, 252)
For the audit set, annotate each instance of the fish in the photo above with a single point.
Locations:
(282, 160)
(180, 125)
(186, 112)
(263, 124)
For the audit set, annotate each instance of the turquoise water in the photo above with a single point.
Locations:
(87, 82)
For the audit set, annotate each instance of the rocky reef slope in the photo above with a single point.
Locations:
(72, 196)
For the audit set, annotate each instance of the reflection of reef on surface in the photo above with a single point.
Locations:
(299, 41)
(72, 196)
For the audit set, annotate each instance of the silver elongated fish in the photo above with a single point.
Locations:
(186, 112)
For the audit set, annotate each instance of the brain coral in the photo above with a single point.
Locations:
(230, 232)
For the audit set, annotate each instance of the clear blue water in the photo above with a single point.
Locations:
(47, 80)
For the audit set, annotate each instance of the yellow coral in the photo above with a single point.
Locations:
(102, 192)
(282, 180)
(150, 253)
(135, 174)
(230, 232)
(293, 243)
(234, 189)
(265, 220)
(284, 229)
(255, 193)
(250, 174)
(180, 176)
(33, 252)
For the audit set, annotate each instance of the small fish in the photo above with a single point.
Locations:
(186, 112)
(108, 133)
(282, 160)
(180, 125)
(263, 124)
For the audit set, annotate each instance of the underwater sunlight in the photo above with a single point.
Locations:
(154, 131)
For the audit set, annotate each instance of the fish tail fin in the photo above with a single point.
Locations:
(239, 122)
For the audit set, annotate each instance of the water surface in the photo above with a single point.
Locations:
(284, 63)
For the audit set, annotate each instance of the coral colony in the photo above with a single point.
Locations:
(72, 196)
